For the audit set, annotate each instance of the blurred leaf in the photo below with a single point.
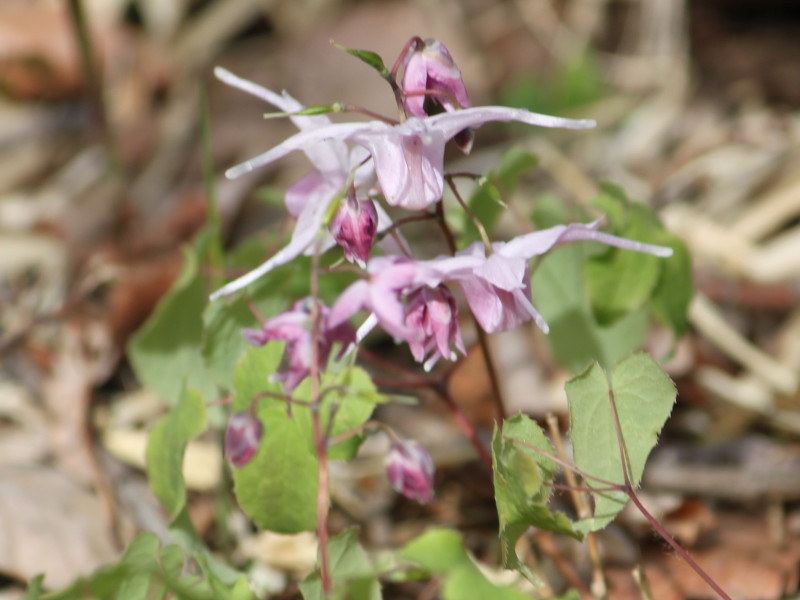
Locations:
(521, 475)
(166, 351)
(166, 446)
(620, 281)
(352, 406)
(466, 582)
(353, 575)
(675, 289)
(441, 551)
(575, 338)
(486, 202)
(223, 343)
(437, 550)
(643, 396)
(278, 487)
(252, 374)
(574, 84)
(558, 291)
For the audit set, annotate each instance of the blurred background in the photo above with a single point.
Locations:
(102, 107)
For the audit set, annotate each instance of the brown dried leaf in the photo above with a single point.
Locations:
(49, 524)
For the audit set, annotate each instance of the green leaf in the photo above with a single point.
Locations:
(643, 396)
(468, 583)
(437, 550)
(166, 351)
(674, 290)
(575, 338)
(486, 202)
(166, 446)
(520, 475)
(620, 281)
(372, 59)
(575, 83)
(34, 591)
(252, 374)
(278, 487)
(353, 574)
(441, 551)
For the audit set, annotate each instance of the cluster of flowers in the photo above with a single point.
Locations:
(361, 164)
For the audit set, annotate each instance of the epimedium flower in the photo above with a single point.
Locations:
(295, 328)
(434, 312)
(432, 84)
(497, 287)
(410, 469)
(408, 157)
(354, 227)
(390, 279)
(309, 199)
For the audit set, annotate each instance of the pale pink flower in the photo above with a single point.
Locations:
(295, 328)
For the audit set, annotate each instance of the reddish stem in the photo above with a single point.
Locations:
(628, 489)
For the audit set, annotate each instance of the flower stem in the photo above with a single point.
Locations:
(319, 438)
(581, 502)
(497, 394)
(439, 386)
(628, 488)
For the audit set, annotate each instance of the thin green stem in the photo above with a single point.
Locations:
(481, 229)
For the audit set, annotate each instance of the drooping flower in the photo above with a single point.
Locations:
(242, 438)
(434, 312)
(432, 84)
(410, 470)
(497, 287)
(354, 227)
(390, 278)
(295, 328)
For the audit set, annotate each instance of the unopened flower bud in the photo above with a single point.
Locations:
(354, 227)
(432, 84)
(409, 468)
(242, 437)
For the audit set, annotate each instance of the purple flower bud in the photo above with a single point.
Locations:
(409, 468)
(432, 84)
(354, 227)
(242, 437)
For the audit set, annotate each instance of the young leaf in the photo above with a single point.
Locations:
(372, 59)
(643, 396)
(520, 475)
(166, 445)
